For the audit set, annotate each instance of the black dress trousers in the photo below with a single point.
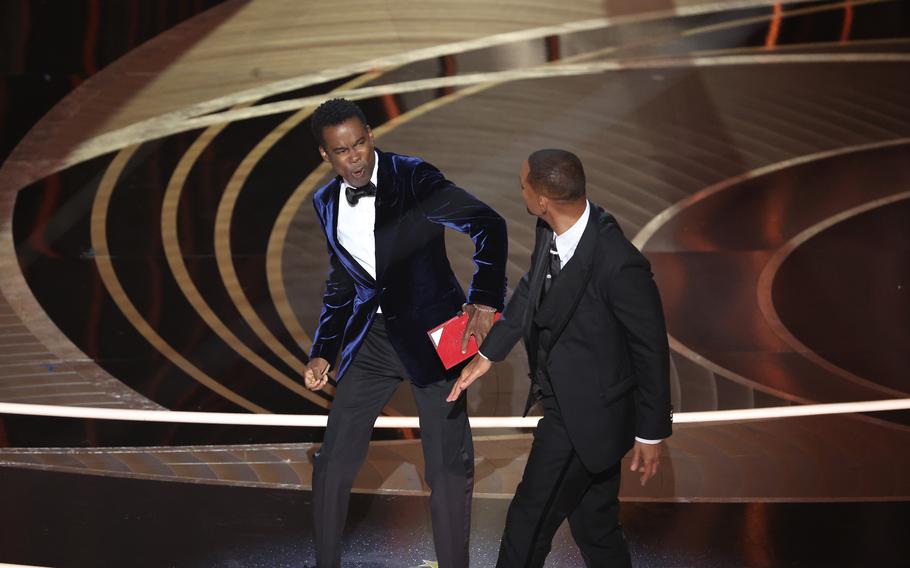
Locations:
(445, 434)
(556, 486)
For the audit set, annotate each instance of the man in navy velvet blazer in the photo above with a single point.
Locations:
(384, 218)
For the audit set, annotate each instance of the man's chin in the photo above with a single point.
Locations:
(358, 181)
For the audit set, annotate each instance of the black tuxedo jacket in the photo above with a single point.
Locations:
(607, 357)
(414, 284)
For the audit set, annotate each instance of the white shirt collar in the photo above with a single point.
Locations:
(567, 242)
(374, 177)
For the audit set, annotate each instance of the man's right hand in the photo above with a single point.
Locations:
(317, 374)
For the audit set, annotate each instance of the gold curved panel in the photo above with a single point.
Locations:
(476, 82)
(546, 21)
(644, 235)
(766, 282)
(120, 297)
(548, 71)
(174, 256)
(275, 253)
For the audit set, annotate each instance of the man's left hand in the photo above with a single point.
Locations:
(645, 458)
(480, 320)
(472, 371)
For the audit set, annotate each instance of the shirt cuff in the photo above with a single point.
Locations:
(646, 441)
(482, 355)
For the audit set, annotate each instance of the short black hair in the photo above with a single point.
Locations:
(557, 174)
(331, 113)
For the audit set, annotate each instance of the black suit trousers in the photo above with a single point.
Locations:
(556, 486)
(366, 387)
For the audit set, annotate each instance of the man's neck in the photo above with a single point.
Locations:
(562, 218)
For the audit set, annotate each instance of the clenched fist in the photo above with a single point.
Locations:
(317, 374)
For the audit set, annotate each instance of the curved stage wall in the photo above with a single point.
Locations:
(159, 249)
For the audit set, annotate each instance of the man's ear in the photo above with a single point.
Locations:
(322, 152)
(543, 203)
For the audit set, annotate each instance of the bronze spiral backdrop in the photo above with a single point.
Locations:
(158, 249)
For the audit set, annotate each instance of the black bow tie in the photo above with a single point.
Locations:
(353, 194)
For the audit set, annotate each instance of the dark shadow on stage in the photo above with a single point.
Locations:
(66, 520)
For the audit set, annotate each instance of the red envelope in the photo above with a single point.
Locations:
(446, 337)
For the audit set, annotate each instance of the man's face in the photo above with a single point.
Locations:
(348, 147)
(531, 197)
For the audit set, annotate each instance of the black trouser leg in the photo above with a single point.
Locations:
(449, 470)
(556, 485)
(595, 522)
(365, 388)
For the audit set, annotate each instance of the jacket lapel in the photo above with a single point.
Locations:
(331, 210)
(387, 214)
(562, 299)
(538, 273)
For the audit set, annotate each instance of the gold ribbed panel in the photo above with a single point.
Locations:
(757, 461)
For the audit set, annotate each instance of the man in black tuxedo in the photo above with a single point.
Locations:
(593, 326)
(389, 282)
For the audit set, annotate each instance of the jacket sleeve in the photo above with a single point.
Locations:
(445, 203)
(635, 301)
(506, 332)
(337, 306)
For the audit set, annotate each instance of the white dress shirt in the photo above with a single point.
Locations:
(356, 225)
(567, 242)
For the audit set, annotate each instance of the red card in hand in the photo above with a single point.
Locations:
(446, 337)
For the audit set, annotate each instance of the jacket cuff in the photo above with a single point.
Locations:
(324, 352)
(487, 299)
(487, 351)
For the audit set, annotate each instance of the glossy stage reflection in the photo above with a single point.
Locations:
(65, 520)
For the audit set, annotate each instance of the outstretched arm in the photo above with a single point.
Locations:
(501, 339)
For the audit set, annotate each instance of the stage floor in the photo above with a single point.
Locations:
(67, 520)
(158, 251)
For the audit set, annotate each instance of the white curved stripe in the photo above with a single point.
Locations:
(769, 273)
(644, 235)
(106, 142)
(169, 123)
(654, 225)
(319, 421)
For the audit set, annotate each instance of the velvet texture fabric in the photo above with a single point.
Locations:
(414, 284)
(603, 339)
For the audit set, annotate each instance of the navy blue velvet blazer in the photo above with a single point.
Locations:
(414, 285)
